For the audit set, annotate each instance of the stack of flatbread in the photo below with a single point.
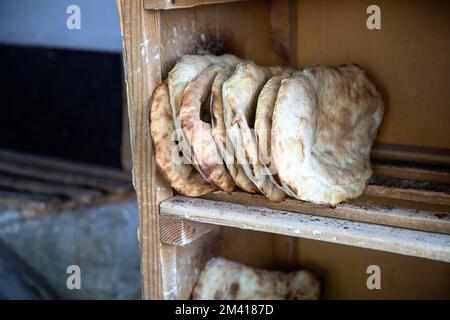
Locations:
(221, 123)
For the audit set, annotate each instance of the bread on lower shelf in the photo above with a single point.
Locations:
(223, 279)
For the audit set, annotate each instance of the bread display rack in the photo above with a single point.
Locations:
(402, 221)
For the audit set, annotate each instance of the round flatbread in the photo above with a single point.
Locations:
(240, 94)
(197, 132)
(324, 123)
(187, 68)
(263, 129)
(220, 136)
(228, 280)
(182, 177)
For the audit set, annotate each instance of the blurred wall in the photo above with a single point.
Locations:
(101, 241)
(42, 23)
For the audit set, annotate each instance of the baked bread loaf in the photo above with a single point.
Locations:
(181, 176)
(187, 68)
(219, 133)
(324, 123)
(240, 94)
(198, 133)
(227, 280)
(263, 130)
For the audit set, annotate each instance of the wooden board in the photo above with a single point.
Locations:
(84, 196)
(362, 211)
(411, 154)
(410, 190)
(70, 167)
(142, 73)
(38, 185)
(407, 242)
(411, 173)
(125, 147)
(407, 59)
(47, 173)
(181, 233)
(283, 30)
(180, 4)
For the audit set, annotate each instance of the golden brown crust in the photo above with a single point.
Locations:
(198, 133)
(186, 69)
(240, 93)
(220, 136)
(182, 177)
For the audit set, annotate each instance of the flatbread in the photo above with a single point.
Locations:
(187, 68)
(263, 130)
(227, 280)
(198, 133)
(324, 123)
(182, 177)
(220, 136)
(240, 93)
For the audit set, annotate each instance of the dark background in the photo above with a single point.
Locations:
(61, 103)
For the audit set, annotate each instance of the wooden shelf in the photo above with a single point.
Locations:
(179, 4)
(411, 190)
(402, 170)
(358, 210)
(414, 178)
(411, 153)
(428, 245)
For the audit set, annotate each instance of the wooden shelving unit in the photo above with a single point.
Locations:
(404, 210)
